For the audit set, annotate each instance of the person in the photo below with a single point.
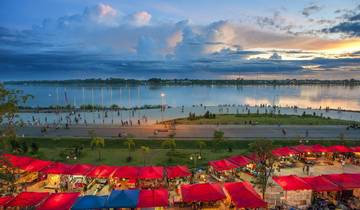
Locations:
(307, 169)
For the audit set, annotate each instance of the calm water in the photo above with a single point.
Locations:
(301, 96)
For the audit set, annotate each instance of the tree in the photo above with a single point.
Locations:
(169, 144)
(34, 148)
(7, 177)
(145, 150)
(218, 139)
(9, 106)
(264, 165)
(98, 143)
(130, 144)
(200, 145)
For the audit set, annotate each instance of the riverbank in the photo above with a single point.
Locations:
(260, 119)
(115, 152)
(185, 82)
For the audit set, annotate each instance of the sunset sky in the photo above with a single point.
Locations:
(317, 35)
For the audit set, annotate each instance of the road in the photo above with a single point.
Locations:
(184, 132)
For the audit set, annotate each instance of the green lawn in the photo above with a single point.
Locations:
(115, 152)
(264, 119)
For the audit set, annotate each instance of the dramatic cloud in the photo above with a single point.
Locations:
(350, 26)
(307, 11)
(140, 18)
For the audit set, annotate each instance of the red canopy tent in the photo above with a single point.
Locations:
(321, 184)
(303, 148)
(339, 148)
(151, 172)
(81, 169)
(355, 149)
(177, 171)
(222, 165)
(291, 182)
(240, 160)
(126, 172)
(284, 151)
(345, 181)
(244, 195)
(36, 165)
(57, 168)
(319, 148)
(202, 192)
(5, 199)
(59, 201)
(153, 198)
(28, 199)
(103, 171)
(253, 157)
(17, 161)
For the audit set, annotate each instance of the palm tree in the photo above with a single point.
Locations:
(169, 144)
(145, 150)
(130, 144)
(98, 142)
(200, 145)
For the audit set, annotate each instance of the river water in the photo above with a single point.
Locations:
(304, 96)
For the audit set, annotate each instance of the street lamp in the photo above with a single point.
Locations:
(195, 157)
(162, 95)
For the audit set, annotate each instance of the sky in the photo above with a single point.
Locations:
(235, 35)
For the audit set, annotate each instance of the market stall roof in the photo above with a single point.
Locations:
(303, 148)
(177, 171)
(355, 149)
(17, 161)
(89, 202)
(321, 184)
(153, 198)
(5, 199)
(244, 195)
(102, 171)
(36, 165)
(151, 172)
(127, 172)
(284, 151)
(81, 169)
(240, 160)
(253, 157)
(57, 168)
(28, 199)
(59, 201)
(345, 181)
(222, 165)
(202, 192)
(291, 182)
(319, 148)
(123, 199)
(339, 148)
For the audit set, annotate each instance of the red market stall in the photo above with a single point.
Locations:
(222, 165)
(153, 198)
(320, 184)
(345, 181)
(80, 169)
(355, 149)
(240, 160)
(243, 195)
(59, 201)
(317, 148)
(284, 152)
(17, 161)
(177, 171)
(102, 172)
(303, 148)
(126, 172)
(151, 172)
(5, 199)
(57, 168)
(339, 148)
(291, 182)
(202, 192)
(28, 199)
(36, 165)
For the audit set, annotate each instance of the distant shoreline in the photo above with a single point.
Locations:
(185, 82)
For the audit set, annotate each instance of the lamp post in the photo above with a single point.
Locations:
(195, 157)
(162, 95)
